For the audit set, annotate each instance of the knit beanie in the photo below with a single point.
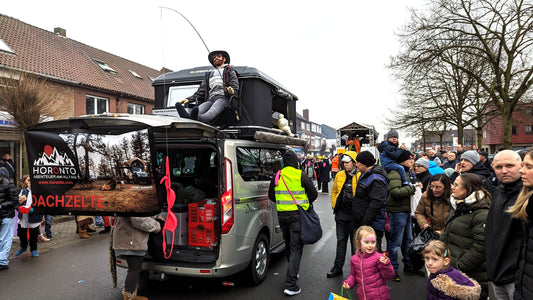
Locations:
(404, 156)
(422, 162)
(471, 155)
(366, 158)
(392, 133)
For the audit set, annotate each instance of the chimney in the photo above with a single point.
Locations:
(306, 114)
(60, 31)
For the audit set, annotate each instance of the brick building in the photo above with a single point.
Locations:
(88, 80)
(522, 130)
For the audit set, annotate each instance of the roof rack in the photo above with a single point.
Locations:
(263, 134)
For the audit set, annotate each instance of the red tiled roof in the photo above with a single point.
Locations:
(46, 53)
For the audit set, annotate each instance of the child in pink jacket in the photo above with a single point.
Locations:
(368, 268)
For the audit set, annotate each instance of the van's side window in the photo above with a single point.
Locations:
(255, 164)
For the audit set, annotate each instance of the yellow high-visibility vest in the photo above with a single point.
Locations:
(284, 201)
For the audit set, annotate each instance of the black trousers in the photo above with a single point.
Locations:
(135, 263)
(290, 226)
(344, 229)
(23, 236)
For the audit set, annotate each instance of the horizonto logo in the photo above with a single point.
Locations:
(54, 165)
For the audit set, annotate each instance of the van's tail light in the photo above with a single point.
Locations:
(227, 198)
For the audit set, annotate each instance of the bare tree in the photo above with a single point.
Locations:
(498, 33)
(29, 100)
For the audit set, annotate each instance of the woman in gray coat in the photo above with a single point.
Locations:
(130, 240)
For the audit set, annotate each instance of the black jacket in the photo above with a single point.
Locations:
(424, 178)
(8, 199)
(503, 235)
(290, 159)
(478, 169)
(229, 78)
(371, 198)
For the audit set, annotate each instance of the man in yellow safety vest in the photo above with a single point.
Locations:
(288, 186)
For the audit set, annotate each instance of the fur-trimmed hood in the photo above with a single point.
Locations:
(454, 284)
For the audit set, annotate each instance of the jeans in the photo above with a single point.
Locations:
(390, 164)
(344, 229)
(503, 292)
(6, 239)
(400, 237)
(48, 225)
(290, 226)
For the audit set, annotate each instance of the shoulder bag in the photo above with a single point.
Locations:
(310, 231)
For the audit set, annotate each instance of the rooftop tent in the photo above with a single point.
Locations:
(260, 96)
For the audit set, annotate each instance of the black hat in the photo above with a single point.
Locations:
(404, 156)
(366, 158)
(213, 53)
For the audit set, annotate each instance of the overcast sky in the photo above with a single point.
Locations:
(331, 54)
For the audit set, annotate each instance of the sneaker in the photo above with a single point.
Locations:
(22, 250)
(334, 272)
(34, 253)
(396, 277)
(292, 293)
(4, 267)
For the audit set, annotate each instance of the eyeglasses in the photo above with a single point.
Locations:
(217, 55)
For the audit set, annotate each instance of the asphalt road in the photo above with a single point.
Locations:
(80, 270)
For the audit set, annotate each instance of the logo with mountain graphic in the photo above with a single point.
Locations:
(52, 157)
(52, 164)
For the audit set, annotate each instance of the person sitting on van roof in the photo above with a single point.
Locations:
(214, 92)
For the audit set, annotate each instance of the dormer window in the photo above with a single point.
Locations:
(4, 47)
(135, 74)
(104, 66)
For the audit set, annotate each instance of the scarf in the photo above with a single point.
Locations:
(470, 199)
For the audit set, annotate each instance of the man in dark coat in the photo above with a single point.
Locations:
(8, 203)
(503, 234)
(324, 168)
(470, 163)
(370, 195)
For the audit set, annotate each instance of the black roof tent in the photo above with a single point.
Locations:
(260, 95)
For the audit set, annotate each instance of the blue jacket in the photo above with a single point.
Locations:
(434, 168)
(389, 152)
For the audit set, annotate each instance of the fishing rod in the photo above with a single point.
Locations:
(198, 33)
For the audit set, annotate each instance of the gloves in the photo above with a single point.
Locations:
(230, 90)
(184, 101)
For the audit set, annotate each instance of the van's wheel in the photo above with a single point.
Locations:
(258, 267)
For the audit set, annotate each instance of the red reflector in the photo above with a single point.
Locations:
(205, 271)
(119, 261)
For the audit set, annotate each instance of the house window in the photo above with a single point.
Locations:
(484, 134)
(529, 112)
(96, 105)
(513, 130)
(104, 66)
(5, 47)
(528, 129)
(135, 109)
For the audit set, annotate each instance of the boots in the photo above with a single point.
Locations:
(84, 234)
(132, 296)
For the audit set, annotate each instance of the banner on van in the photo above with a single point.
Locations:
(91, 174)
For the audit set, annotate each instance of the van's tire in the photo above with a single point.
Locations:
(258, 268)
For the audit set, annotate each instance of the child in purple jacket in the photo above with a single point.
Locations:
(445, 282)
(368, 268)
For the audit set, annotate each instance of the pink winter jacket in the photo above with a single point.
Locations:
(371, 276)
